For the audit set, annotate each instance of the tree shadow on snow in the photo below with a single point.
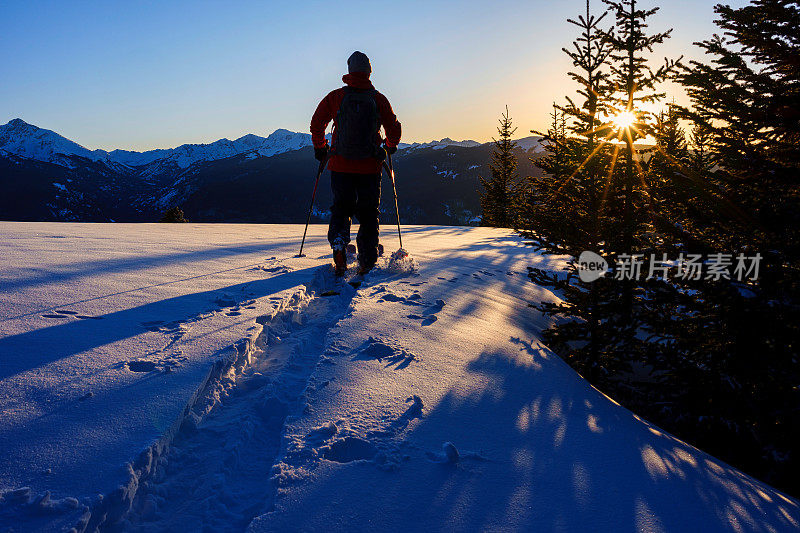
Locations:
(541, 450)
(49, 344)
(86, 269)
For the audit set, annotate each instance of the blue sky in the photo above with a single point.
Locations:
(141, 75)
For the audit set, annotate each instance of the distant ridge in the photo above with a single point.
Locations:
(21, 139)
(28, 141)
(47, 177)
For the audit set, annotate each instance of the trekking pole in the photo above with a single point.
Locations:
(390, 171)
(313, 196)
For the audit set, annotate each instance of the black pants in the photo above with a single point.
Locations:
(359, 195)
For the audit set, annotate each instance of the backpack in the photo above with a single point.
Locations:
(357, 125)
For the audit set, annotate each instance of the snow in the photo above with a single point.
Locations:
(81, 301)
(19, 138)
(204, 378)
(281, 141)
(134, 159)
(26, 140)
(278, 142)
(530, 143)
(437, 145)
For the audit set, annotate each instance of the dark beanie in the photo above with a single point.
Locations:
(358, 62)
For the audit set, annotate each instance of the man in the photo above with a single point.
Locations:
(358, 111)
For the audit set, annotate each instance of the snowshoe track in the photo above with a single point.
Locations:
(212, 471)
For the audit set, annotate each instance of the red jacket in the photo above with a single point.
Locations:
(327, 110)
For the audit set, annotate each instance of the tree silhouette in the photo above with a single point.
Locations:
(174, 214)
(502, 190)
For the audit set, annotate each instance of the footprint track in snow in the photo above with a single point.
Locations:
(413, 299)
(350, 449)
(273, 266)
(429, 316)
(380, 350)
(232, 306)
(160, 326)
(338, 442)
(217, 474)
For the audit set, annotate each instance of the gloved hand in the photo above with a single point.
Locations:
(391, 149)
(321, 153)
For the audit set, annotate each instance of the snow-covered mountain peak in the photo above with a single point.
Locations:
(134, 159)
(25, 140)
(526, 144)
(282, 132)
(530, 143)
(282, 140)
(438, 145)
(18, 123)
(250, 139)
(29, 141)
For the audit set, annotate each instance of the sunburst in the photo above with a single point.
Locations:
(617, 130)
(624, 120)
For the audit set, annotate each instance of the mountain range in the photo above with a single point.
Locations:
(48, 177)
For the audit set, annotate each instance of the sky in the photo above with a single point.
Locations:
(141, 75)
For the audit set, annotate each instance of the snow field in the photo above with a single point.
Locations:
(288, 401)
(107, 334)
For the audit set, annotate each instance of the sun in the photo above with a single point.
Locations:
(624, 120)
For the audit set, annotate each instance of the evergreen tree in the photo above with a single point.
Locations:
(174, 214)
(745, 105)
(670, 136)
(719, 356)
(635, 84)
(669, 195)
(578, 210)
(502, 190)
(570, 194)
(608, 206)
(701, 157)
(747, 100)
(541, 210)
(590, 54)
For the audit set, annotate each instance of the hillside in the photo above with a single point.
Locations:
(188, 377)
(251, 179)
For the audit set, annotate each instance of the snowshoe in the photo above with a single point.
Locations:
(340, 262)
(364, 268)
